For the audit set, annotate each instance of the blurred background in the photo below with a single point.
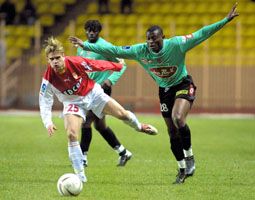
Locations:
(223, 67)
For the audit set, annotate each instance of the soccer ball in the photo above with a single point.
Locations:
(69, 185)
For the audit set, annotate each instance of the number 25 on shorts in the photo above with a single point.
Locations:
(72, 108)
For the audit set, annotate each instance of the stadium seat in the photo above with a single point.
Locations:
(10, 29)
(67, 1)
(139, 9)
(23, 42)
(43, 8)
(92, 8)
(57, 8)
(47, 20)
(175, 17)
(81, 19)
(79, 31)
(10, 41)
(18, 5)
(46, 11)
(131, 19)
(117, 31)
(117, 20)
(13, 53)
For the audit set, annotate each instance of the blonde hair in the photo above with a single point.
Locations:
(53, 45)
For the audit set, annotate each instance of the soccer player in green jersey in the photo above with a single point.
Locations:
(164, 60)
(106, 79)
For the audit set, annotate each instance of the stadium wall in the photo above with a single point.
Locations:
(223, 76)
(219, 89)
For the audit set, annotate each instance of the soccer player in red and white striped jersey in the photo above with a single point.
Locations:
(67, 78)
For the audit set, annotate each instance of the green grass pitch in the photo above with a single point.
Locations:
(31, 162)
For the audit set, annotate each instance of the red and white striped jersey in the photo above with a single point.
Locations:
(72, 85)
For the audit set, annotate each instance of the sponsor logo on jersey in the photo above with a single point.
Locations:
(43, 88)
(86, 66)
(74, 88)
(126, 47)
(67, 79)
(187, 37)
(145, 61)
(164, 72)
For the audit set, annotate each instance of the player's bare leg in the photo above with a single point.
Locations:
(115, 109)
(73, 127)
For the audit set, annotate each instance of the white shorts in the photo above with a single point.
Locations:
(95, 101)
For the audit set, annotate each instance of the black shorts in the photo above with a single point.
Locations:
(186, 89)
(107, 90)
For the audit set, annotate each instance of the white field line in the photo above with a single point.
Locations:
(12, 112)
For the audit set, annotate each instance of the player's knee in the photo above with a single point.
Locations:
(71, 134)
(178, 119)
(123, 114)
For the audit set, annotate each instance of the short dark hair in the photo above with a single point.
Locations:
(94, 25)
(153, 28)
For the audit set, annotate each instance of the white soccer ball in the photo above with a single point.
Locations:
(69, 185)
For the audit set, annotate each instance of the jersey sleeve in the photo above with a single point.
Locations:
(46, 102)
(109, 50)
(78, 51)
(115, 76)
(99, 65)
(189, 41)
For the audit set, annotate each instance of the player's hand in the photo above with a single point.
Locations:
(77, 42)
(121, 61)
(232, 14)
(51, 129)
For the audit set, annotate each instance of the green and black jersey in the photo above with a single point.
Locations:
(166, 67)
(100, 77)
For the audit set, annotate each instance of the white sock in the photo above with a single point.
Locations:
(85, 155)
(181, 163)
(188, 153)
(119, 149)
(133, 121)
(76, 156)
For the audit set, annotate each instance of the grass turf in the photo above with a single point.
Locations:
(31, 163)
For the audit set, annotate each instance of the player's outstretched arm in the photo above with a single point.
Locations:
(107, 50)
(232, 14)
(204, 33)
